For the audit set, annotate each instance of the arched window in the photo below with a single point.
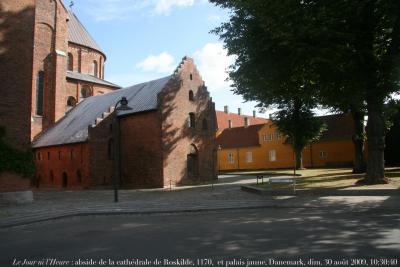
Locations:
(70, 62)
(71, 101)
(79, 176)
(85, 92)
(51, 176)
(205, 124)
(192, 161)
(39, 92)
(191, 95)
(111, 149)
(64, 179)
(94, 68)
(192, 122)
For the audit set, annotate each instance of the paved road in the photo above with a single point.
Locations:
(257, 234)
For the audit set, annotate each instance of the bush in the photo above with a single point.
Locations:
(12, 159)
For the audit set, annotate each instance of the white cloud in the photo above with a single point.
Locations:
(213, 62)
(165, 6)
(162, 63)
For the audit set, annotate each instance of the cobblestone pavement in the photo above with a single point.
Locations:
(225, 194)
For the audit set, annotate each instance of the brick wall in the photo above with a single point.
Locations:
(56, 162)
(178, 139)
(141, 154)
(100, 164)
(83, 58)
(49, 56)
(16, 46)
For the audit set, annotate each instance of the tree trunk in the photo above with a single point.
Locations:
(299, 160)
(358, 141)
(376, 146)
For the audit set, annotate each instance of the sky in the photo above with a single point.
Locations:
(146, 39)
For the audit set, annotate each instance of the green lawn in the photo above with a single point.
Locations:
(329, 178)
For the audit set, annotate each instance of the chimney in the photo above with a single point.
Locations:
(254, 113)
(239, 111)
(226, 109)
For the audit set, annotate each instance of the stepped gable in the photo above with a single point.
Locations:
(240, 137)
(73, 127)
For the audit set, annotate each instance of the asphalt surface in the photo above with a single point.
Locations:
(266, 236)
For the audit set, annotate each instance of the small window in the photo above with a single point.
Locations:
(264, 138)
(85, 92)
(205, 124)
(72, 153)
(269, 137)
(192, 122)
(323, 154)
(272, 155)
(191, 95)
(111, 149)
(191, 76)
(71, 101)
(231, 158)
(249, 157)
(230, 123)
(39, 156)
(59, 154)
(278, 135)
(70, 62)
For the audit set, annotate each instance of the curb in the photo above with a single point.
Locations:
(321, 192)
(78, 213)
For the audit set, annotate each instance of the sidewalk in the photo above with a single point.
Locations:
(226, 195)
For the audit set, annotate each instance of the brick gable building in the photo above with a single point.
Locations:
(167, 138)
(49, 62)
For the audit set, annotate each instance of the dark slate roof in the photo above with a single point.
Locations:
(73, 127)
(89, 78)
(78, 34)
(239, 137)
(339, 127)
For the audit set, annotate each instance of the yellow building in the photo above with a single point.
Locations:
(262, 146)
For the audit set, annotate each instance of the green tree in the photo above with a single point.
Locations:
(338, 50)
(15, 160)
(300, 127)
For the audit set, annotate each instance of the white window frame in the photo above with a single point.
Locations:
(323, 154)
(249, 156)
(272, 155)
(231, 158)
(264, 137)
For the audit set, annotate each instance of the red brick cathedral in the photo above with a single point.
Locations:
(54, 99)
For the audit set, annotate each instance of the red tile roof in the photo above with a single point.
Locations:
(239, 137)
(237, 120)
